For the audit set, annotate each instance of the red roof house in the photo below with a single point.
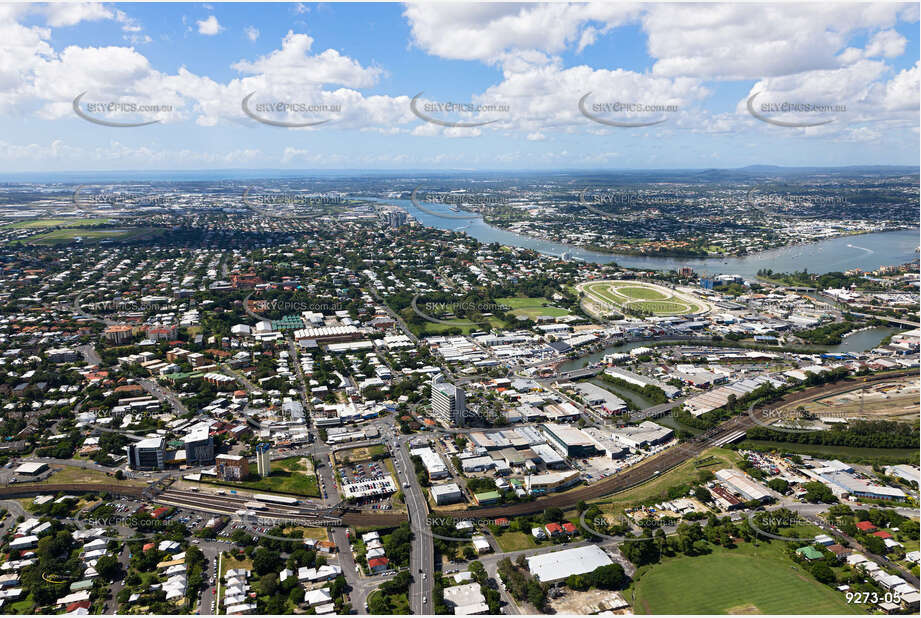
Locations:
(569, 528)
(882, 534)
(378, 564)
(865, 526)
(501, 522)
(554, 529)
(78, 605)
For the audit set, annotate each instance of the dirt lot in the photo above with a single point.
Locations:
(588, 602)
(889, 399)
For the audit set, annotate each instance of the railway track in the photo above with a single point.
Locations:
(309, 512)
(671, 458)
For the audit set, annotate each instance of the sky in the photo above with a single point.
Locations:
(210, 78)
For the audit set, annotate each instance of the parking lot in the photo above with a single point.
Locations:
(373, 473)
(364, 471)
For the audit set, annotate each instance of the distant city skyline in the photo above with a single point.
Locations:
(551, 82)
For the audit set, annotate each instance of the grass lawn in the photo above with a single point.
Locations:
(34, 223)
(232, 563)
(289, 476)
(712, 459)
(22, 607)
(399, 603)
(639, 296)
(532, 307)
(436, 328)
(641, 293)
(749, 579)
(63, 236)
(319, 534)
(894, 455)
(515, 541)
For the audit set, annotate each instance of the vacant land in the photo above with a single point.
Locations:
(73, 474)
(294, 475)
(320, 534)
(515, 541)
(362, 453)
(896, 400)
(712, 459)
(749, 579)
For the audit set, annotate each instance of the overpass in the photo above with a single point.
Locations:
(889, 319)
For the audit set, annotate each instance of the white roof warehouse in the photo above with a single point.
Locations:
(559, 565)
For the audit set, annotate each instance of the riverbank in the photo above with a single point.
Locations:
(836, 254)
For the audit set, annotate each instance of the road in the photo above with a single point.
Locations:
(422, 557)
(163, 395)
(90, 355)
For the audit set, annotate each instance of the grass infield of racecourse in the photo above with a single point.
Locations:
(646, 296)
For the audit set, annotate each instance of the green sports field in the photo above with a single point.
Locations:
(531, 307)
(92, 235)
(38, 223)
(745, 580)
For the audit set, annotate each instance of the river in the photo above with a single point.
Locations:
(866, 251)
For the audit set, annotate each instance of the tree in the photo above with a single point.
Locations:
(377, 604)
(874, 544)
(108, 567)
(818, 492)
(779, 485)
(608, 577)
(702, 494)
(553, 514)
(297, 595)
(269, 584)
(823, 573)
(265, 561)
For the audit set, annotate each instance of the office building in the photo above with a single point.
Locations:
(199, 447)
(449, 404)
(147, 454)
(232, 467)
